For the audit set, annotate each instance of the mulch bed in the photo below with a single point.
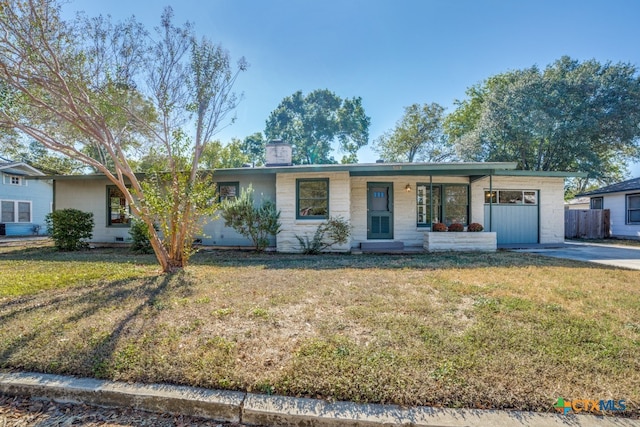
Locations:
(24, 411)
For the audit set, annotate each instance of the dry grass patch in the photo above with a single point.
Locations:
(504, 330)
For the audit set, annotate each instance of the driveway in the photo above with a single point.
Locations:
(614, 255)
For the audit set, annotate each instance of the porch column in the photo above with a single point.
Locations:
(431, 202)
(490, 201)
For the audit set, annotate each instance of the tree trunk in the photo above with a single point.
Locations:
(168, 263)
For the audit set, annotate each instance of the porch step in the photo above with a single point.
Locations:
(381, 246)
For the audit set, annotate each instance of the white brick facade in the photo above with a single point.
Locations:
(339, 205)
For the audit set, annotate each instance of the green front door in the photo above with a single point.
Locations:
(379, 210)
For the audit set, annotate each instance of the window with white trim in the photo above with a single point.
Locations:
(633, 208)
(13, 179)
(15, 211)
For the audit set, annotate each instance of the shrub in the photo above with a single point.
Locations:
(69, 228)
(335, 231)
(439, 226)
(456, 226)
(254, 222)
(475, 227)
(140, 237)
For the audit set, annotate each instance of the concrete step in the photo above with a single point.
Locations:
(382, 246)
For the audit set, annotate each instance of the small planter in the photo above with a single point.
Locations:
(462, 242)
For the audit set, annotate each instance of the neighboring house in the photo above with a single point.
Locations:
(24, 202)
(386, 203)
(577, 203)
(623, 201)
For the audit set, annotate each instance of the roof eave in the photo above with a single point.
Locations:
(550, 174)
(22, 165)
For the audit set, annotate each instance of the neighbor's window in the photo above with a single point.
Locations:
(633, 209)
(511, 197)
(228, 191)
(312, 198)
(450, 203)
(14, 211)
(596, 203)
(24, 211)
(8, 211)
(15, 180)
(118, 212)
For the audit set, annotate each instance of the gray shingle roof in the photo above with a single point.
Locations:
(629, 185)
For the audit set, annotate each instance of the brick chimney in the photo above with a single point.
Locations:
(278, 153)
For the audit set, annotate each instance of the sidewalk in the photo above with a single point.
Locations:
(254, 409)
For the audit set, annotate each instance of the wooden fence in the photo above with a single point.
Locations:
(587, 223)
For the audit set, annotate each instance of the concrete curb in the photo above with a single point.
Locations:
(256, 409)
(214, 404)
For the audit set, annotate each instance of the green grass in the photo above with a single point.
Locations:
(31, 270)
(504, 330)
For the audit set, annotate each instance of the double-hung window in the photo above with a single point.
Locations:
(118, 212)
(596, 203)
(312, 198)
(15, 211)
(633, 208)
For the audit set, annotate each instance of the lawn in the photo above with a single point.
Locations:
(504, 330)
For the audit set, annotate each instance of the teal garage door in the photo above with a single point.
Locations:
(514, 216)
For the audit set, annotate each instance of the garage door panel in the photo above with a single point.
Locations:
(513, 223)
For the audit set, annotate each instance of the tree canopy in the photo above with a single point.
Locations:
(95, 91)
(253, 146)
(417, 136)
(314, 123)
(573, 116)
(219, 156)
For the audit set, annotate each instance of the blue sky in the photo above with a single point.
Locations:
(392, 53)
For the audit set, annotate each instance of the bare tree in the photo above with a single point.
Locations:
(99, 92)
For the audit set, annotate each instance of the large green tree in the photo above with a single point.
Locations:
(253, 146)
(316, 123)
(573, 116)
(417, 136)
(94, 90)
(219, 156)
